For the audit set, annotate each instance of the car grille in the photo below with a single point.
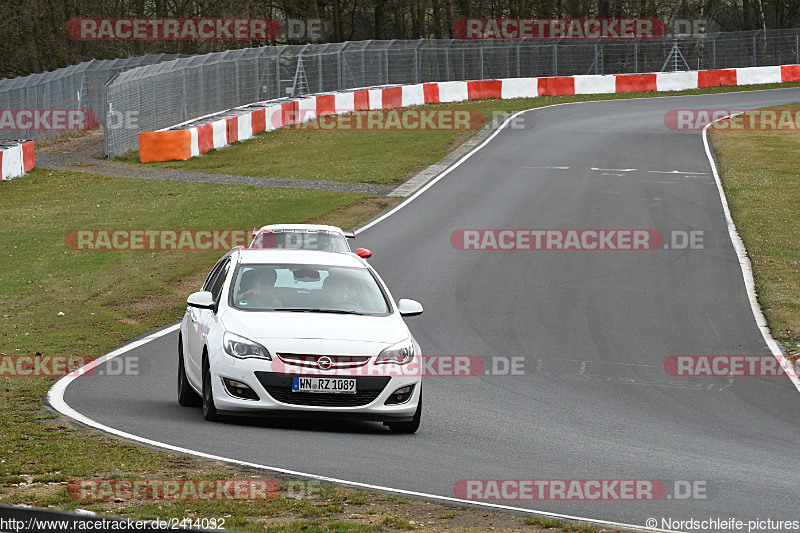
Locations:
(280, 388)
(310, 361)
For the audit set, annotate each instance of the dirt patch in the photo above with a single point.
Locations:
(353, 215)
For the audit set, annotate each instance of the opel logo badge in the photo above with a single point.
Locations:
(325, 362)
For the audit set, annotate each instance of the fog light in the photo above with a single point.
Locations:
(237, 389)
(401, 395)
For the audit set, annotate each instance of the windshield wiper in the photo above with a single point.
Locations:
(305, 310)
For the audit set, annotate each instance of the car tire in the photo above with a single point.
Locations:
(187, 397)
(209, 409)
(408, 427)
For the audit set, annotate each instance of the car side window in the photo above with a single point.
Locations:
(219, 279)
(212, 276)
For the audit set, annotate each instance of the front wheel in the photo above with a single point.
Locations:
(187, 397)
(209, 409)
(408, 427)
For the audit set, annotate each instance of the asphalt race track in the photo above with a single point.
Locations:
(594, 329)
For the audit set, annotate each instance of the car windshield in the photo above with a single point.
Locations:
(308, 288)
(321, 240)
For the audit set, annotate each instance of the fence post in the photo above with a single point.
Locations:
(363, 82)
(319, 70)
(417, 66)
(107, 140)
(714, 53)
(184, 100)
(386, 61)
(636, 57)
(555, 59)
(519, 43)
(278, 71)
(447, 60)
(481, 57)
(238, 77)
(754, 47)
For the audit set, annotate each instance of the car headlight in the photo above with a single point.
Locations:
(242, 348)
(401, 353)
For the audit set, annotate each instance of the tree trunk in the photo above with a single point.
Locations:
(746, 15)
(379, 19)
(448, 7)
(437, 19)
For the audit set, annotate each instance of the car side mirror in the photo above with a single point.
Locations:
(409, 307)
(363, 253)
(201, 300)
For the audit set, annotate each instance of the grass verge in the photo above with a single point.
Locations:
(382, 157)
(108, 297)
(759, 172)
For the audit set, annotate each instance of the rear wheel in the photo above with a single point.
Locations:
(186, 394)
(209, 409)
(408, 427)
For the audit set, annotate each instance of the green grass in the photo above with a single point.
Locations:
(397, 522)
(384, 157)
(306, 526)
(760, 172)
(549, 523)
(109, 297)
(369, 157)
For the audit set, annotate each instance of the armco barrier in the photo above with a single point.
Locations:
(220, 129)
(16, 158)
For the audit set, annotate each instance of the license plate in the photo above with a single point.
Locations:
(329, 385)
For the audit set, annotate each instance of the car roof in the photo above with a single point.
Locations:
(305, 227)
(249, 256)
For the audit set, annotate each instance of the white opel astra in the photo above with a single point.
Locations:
(299, 333)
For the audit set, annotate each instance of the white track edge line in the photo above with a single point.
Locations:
(55, 396)
(747, 268)
(469, 154)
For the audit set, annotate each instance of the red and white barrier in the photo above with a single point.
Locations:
(215, 131)
(16, 158)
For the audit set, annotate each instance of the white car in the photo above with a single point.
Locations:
(305, 237)
(299, 333)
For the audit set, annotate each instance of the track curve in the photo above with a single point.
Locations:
(594, 328)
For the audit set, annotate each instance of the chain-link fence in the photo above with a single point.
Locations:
(156, 91)
(79, 87)
(157, 96)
